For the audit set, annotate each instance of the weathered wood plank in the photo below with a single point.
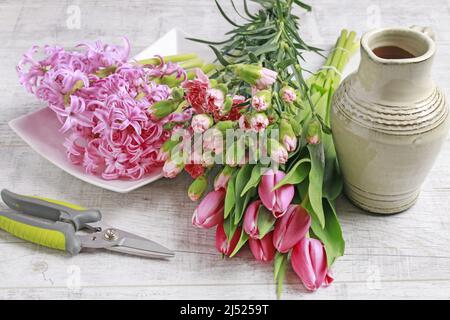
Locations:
(401, 256)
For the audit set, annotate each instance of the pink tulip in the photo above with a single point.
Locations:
(291, 228)
(309, 261)
(276, 201)
(328, 279)
(251, 219)
(263, 249)
(209, 212)
(222, 244)
(221, 180)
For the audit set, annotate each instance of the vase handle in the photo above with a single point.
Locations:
(425, 30)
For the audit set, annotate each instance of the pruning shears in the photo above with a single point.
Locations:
(54, 224)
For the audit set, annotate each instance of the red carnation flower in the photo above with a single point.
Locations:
(196, 94)
(195, 170)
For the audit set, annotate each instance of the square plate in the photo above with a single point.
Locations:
(40, 129)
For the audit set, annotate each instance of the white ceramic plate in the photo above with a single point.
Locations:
(40, 129)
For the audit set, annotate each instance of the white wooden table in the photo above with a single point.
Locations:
(400, 256)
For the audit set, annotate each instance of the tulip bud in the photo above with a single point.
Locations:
(263, 249)
(309, 261)
(224, 245)
(313, 132)
(197, 188)
(162, 109)
(258, 221)
(277, 152)
(262, 100)
(329, 278)
(201, 122)
(255, 75)
(288, 138)
(288, 94)
(277, 200)
(291, 228)
(209, 212)
(221, 180)
(259, 122)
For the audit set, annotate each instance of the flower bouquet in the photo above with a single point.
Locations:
(250, 125)
(267, 128)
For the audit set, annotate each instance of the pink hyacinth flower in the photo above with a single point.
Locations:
(278, 200)
(74, 114)
(309, 261)
(291, 228)
(209, 212)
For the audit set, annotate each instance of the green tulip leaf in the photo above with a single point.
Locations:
(316, 180)
(332, 180)
(265, 222)
(255, 178)
(229, 227)
(297, 174)
(242, 178)
(331, 235)
(229, 197)
(242, 240)
(279, 271)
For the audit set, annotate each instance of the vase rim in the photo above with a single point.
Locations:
(414, 37)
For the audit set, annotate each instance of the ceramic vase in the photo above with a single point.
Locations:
(389, 121)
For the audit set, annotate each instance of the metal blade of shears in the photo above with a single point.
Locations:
(142, 247)
(125, 242)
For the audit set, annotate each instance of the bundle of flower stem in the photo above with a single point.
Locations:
(323, 84)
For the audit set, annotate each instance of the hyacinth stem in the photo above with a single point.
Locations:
(192, 63)
(173, 58)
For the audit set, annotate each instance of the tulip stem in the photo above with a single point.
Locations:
(172, 58)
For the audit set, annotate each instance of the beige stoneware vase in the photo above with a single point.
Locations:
(389, 120)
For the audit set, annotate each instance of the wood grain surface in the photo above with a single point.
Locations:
(387, 257)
